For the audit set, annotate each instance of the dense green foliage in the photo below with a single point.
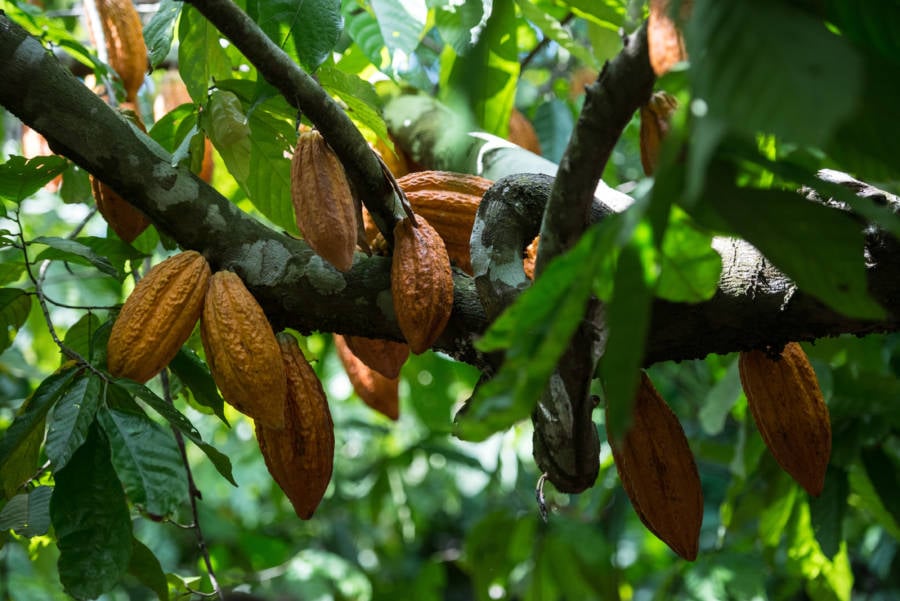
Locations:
(95, 494)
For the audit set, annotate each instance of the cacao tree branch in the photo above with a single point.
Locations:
(303, 92)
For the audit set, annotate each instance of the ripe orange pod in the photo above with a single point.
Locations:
(376, 390)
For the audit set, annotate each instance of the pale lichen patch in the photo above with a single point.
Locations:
(267, 260)
(323, 277)
(173, 189)
(214, 218)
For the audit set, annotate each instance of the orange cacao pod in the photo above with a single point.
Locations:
(790, 412)
(664, 40)
(658, 473)
(126, 220)
(125, 48)
(324, 207)
(395, 159)
(655, 121)
(300, 456)
(242, 351)
(421, 283)
(521, 132)
(384, 356)
(449, 202)
(377, 391)
(158, 317)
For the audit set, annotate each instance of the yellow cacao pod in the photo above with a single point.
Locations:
(241, 350)
(324, 207)
(421, 283)
(158, 317)
(377, 391)
(787, 405)
(658, 473)
(449, 202)
(125, 48)
(655, 122)
(300, 456)
(521, 132)
(395, 159)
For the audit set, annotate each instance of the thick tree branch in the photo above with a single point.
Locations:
(303, 92)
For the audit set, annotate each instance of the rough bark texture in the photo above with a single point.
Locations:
(297, 289)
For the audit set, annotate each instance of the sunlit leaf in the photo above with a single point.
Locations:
(63, 249)
(306, 29)
(68, 425)
(160, 30)
(461, 24)
(402, 23)
(690, 267)
(20, 177)
(201, 58)
(555, 31)
(15, 306)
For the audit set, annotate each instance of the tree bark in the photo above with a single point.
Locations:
(753, 307)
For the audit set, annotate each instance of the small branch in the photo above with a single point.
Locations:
(305, 94)
(193, 495)
(545, 41)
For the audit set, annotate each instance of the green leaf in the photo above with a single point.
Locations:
(306, 29)
(160, 31)
(93, 526)
(358, 94)
(402, 24)
(146, 459)
(628, 319)
(201, 58)
(828, 509)
(690, 267)
(720, 400)
(553, 124)
(146, 568)
(776, 514)
(194, 373)
(364, 30)
(31, 417)
(12, 266)
(482, 83)
(555, 31)
(460, 23)
(884, 474)
(112, 249)
(79, 337)
(269, 183)
(535, 332)
(22, 463)
(790, 231)
(63, 249)
(229, 132)
(20, 178)
(15, 306)
(71, 419)
(769, 67)
(28, 514)
(179, 421)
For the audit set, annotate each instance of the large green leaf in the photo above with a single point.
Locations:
(178, 421)
(535, 332)
(20, 177)
(359, 95)
(767, 66)
(306, 29)
(146, 459)
(90, 515)
(32, 415)
(68, 426)
(690, 267)
(362, 27)
(482, 83)
(553, 124)
(884, 474)
(828, 509)
(160, 31)
(229, 132)
(194, 374)
(201, 58)
(461, 23)
(819, 248)
(80, 335)
(146, 568)
(28, 514)
(63, 249)
(15, 306)
(402, 24)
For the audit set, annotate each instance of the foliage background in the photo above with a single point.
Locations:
(413, 513)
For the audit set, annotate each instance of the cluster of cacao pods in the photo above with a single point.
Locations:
(262, 375)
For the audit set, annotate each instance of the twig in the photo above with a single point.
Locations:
(193, 495)
(545, 41)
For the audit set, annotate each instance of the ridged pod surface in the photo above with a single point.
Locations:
(300, 456)
(241, 350)
(790, 412)
(656, 116)
(158, 317)
(421, 283)
(324, 208)
(449, 202)
(124, 218)
(384, 356)
(125, 47)
(377, 391)
(658, 473)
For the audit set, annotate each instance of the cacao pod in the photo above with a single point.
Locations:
(664, 40)
(421, 283)
(449, 202)
(300, 456)
(531, 257)
(656, 116)
(787, 405)
(658, 473)
(158, 317)
(125, 48)
(324, 207)
(384, 356)
(395, 159)
(377, 391)
(126, 220)
(521, 132)
(241, 350)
